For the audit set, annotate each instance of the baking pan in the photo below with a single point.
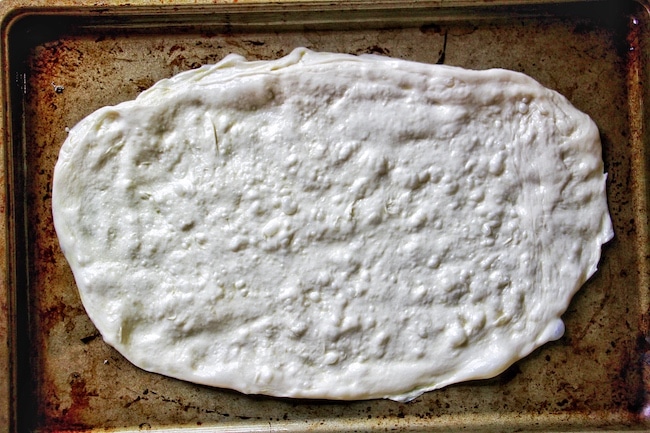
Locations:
(59, 63)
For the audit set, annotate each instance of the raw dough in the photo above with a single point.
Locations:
(332, 226)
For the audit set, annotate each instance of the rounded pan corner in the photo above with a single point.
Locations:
(11, 15)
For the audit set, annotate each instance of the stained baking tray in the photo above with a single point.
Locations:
(60, 61)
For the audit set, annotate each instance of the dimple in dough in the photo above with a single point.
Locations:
(332, 226)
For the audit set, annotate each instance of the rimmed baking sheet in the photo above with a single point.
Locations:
(61, 63)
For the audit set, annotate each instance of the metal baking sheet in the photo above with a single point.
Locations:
(61, 60)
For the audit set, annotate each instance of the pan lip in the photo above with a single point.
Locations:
(13, 11)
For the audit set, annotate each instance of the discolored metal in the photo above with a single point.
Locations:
(61, 63)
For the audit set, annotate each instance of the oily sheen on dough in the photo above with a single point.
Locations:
(332, 226)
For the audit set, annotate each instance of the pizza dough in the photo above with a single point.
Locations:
(332, 226)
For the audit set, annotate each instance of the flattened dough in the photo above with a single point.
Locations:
(332, 226)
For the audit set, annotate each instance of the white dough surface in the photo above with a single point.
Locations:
(332, 226)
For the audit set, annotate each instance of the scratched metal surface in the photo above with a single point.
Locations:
(64, 67)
